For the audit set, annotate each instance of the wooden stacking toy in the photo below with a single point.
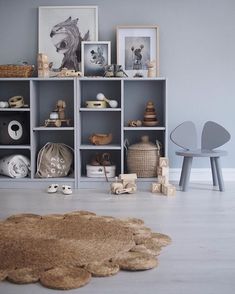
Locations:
(150, 117)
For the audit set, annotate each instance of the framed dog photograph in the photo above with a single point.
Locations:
(137, 47)
(62, 30)
(95, 56)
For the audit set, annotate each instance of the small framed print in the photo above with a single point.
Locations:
(95, 56)
(136, 47)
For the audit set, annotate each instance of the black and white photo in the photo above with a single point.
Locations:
(95, 56)
(136, 47)
(137, 52)
(62, 30)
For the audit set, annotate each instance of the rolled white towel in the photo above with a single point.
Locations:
(15, 166)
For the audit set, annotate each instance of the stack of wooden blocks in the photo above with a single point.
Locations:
(163, 186)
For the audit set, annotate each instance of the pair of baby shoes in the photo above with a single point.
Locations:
(53, 188)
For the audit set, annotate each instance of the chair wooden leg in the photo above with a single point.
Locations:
(186, 172)
(213, 170)
(182, 173)
(219, 174)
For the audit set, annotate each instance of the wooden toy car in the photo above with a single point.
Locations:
(57, 122)
(126, 184)
(69, 73)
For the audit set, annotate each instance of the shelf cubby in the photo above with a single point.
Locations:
(88, 155)
(14, 150)
(101, 123)
(90, 87)
(15, 87)
(46, 93)
(136, 95)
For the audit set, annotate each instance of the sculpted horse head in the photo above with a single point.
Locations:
(67, 39)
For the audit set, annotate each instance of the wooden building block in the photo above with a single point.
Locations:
(168, 189)
(163, 161)
(165, 171)
(163, 179)
(156, 188)
(159, 171)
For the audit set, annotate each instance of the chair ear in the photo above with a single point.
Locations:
(185, 135)
(214, 135)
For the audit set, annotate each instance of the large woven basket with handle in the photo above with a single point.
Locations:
(16, 71)
(143, 158)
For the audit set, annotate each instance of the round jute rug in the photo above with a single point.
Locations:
(63, 251)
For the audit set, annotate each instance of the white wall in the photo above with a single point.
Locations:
(197, 48)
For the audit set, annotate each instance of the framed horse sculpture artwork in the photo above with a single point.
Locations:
(62, 30)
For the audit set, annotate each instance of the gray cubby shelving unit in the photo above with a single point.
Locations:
(41, 94)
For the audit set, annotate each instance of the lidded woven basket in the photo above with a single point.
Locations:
(143, 158)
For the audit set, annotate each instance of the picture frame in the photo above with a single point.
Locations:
(95, 56)
(136, 47)
(61, 29)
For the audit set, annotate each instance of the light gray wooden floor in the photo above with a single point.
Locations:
(201, 222)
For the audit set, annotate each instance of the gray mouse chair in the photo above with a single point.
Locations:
(213, 136)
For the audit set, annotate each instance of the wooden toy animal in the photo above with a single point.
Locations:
(101, 139)
(60, 108)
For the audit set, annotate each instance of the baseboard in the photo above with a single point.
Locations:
(203, 174)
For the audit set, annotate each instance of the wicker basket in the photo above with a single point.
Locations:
(16, 71)
(143, 158)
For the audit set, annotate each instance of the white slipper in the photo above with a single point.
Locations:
(67, 190)
(53, 188)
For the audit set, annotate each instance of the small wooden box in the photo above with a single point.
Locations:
(96, 104)
(99, 171)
